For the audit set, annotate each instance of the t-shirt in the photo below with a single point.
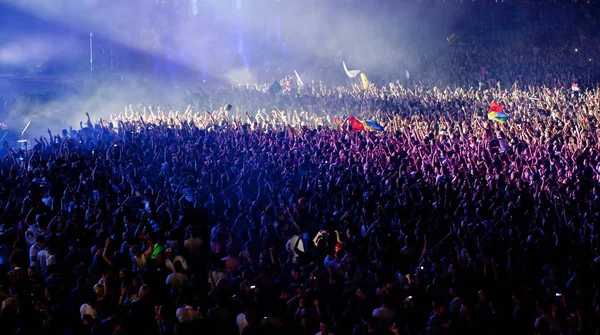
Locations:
(216, 276)
(171, 264)
(241, 321)
(385, 315)
(177, 281)
(51, 260)
(293, 243)
(156, 250)
(42, 256)
(139, 263)
(193, 244)
(187, 314)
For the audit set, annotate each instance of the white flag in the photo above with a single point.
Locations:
(24, 129)
(350, 73)
(300, 83)
(407, 75)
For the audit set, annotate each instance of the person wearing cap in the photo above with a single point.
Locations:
(172, 258)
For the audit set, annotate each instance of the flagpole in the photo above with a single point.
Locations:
(91, 54)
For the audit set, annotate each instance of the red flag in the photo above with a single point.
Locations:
(355, 124)
(494, 107)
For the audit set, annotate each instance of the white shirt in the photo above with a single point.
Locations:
(291, 245)
(177, 280)
(31, 238)
(139, 263)
(42, 256)
(216, 276)
(86, 309)
(171, 264)
(33, 252)
(241, 321)
(51, 260)
(187, 314)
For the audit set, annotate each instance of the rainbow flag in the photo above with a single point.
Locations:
(494, 107)
(356, 124)
(373, 125)
(496, 114)
(498, 117)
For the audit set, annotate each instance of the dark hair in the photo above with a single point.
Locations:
(178, 266)
(81, 281)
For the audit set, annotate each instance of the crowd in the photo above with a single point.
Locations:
(266, 216)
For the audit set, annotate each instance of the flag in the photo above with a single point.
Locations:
(350, 73)
(300, 83)
(496, 114)
(494, 107)
(356, 124)
(373, 125)
(407, 75)
(575, 87)
(365, 81)
(498, 117)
